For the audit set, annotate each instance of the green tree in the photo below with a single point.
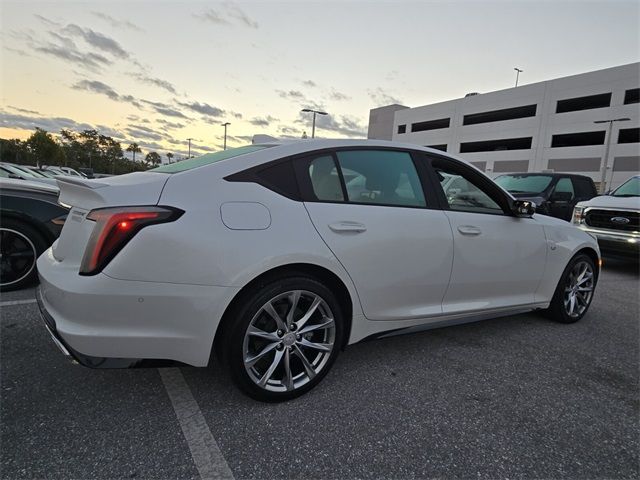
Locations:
(44, 148)
(153, 158)
(169, 156)
(134, 148)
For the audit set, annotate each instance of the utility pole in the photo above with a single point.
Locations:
(605, 160)
(318, 112)
(225, 125)
(189, 147)
(518, 72)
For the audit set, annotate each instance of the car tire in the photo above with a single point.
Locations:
(20, 247)
(574, 293)
(266, 342)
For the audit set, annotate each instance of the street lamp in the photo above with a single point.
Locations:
(189, 147)
(605, 161)
(318, 112)
(225, 125)
(518, 72)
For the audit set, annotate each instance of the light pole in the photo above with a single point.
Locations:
(189, 147)
(225, 125)
(518, 72)
(318, 112)
(605, 161)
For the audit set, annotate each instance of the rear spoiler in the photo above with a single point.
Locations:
(92, 184)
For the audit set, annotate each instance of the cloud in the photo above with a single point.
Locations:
(28, 122)
(97, 40)
(92, 61)
(165, 109)
(263, 121)
(338, 96)
(291, 94)
(236, 12)
(229, 14)
(204, 109)
(347, 126)
(168, 124)
(382, 98)
(22, 110)
(309, 83)
(157, 82)
(144, 133)
(100, 88)
(115, 22)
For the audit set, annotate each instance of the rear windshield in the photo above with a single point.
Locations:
(207, 159)
(524, 183)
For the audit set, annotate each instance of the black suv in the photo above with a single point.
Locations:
(555, 194)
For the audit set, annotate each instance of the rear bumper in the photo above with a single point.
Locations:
(103, 322)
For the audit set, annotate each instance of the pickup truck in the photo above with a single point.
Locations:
(555, 194)
(614, 219)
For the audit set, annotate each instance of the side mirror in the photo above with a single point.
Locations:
(524, 208)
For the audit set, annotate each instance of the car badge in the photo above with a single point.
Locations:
(620, 220)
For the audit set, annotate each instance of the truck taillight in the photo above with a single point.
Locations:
(114, 228)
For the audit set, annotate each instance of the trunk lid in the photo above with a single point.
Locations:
(83, 195)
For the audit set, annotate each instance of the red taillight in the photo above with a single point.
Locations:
(114, 228)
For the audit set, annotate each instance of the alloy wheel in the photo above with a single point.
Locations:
(578, 291)
(289, 341)
(17, 256)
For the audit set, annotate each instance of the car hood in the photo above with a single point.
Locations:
(608, 201)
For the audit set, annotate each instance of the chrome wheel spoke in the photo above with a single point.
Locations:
(257, 332)
(274, 315)
(252, 360)
(288, 376)
(584, 279)
(323, 347)
(293, 298)
(312, 309)
(272, 368)
(328, 322)
(305, 362)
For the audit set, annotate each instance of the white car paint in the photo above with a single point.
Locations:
(164, 294)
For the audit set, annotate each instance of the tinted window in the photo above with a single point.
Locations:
(280, 178)
(583, 188)
(463, 194)
(524, 183)
(630, 188)
(381, 177)
(325, 180)
(564, 185)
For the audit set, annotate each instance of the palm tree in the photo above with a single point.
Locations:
(153, 158)
(169, 156)
(134, 148)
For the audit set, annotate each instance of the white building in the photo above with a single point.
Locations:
(546, 126)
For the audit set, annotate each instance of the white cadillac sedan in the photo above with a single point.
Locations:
(277, 256)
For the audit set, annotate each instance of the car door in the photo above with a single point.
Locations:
(499, 259)
(370, 208)
(562, 199)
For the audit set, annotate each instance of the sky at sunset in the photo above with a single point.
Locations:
(158, 73)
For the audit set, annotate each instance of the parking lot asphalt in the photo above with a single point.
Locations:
(511, 397)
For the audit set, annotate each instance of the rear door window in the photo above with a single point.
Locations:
(381, 177)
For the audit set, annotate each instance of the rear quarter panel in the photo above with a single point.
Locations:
(200, 249)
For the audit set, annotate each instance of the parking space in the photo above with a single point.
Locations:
(510, 397)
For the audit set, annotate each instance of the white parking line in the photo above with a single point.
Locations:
(17, 302)
(205, 451)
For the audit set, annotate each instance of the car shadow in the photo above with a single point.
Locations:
(624, 265)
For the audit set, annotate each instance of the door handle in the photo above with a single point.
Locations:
(341, 227)
(469, 230)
